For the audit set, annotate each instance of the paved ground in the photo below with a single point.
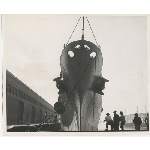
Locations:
(127, 126)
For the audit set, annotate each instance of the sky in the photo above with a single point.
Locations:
(33, 45)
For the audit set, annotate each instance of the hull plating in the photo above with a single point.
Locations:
(82, 106)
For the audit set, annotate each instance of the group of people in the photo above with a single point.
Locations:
(115, 122)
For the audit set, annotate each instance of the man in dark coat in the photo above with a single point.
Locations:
(116, 121)
(137, 121)
(122, 120)
(147, 121)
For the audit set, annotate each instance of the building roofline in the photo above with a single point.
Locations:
(9, 73)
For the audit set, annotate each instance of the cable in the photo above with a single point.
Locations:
(92, 31)
(73, 30)
(81, 76)
(85, 67)
(77, 84)
(41, 124)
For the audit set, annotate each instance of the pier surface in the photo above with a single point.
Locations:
(127, 127)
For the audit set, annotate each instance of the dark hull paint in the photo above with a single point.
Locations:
(83, 106)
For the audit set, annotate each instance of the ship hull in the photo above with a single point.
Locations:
(82, 105)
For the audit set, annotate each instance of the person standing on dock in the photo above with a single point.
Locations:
(109, 121)
(116, 121)
(137, 121)
(147, 121)
(122, 120)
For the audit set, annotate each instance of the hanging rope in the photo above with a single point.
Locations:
(41, 124)
(79, 80)
(73, 30)
(69, 93)
(92, 31)
(81, 76)
(90, 58)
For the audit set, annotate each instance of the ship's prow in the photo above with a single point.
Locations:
(81, 84)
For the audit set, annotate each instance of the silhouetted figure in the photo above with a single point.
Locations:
(137, 121)
(122, 120)
(109, 121)
(116, 121)
(147, 121)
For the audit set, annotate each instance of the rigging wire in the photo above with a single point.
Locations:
(70, 92)
(42, 123)
(83, 71)
(92, 31)
(81, 76)
(90, 58)
(73, 30)
(77, 84)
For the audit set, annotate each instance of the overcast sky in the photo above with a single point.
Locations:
(33, 45)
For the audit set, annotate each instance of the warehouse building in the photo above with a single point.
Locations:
(23, 105)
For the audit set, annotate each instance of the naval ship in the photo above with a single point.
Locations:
(80, 85)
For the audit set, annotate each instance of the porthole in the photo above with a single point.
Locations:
(93, 55)
(70, 53)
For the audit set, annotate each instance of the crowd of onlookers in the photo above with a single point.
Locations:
(120, 120)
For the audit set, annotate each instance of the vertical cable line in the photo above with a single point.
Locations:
(73, 30)
(92, 31)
